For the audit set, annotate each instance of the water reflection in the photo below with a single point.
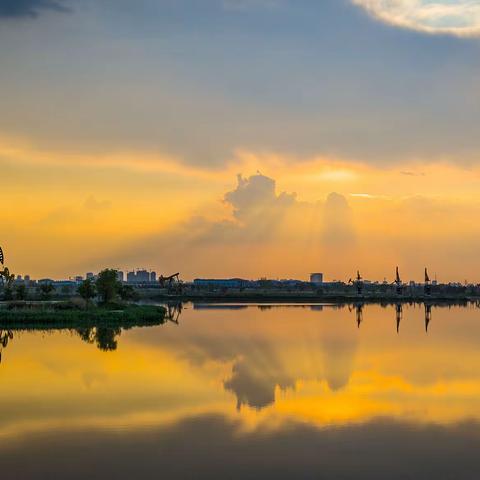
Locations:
(398, 315)
(269, 386)
(105, 338)
(213, 447)
(428, 316)
(5, 337)
(174, 310)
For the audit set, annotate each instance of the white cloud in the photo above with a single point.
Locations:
(461, 17)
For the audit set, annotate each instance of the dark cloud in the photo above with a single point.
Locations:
(29, 8)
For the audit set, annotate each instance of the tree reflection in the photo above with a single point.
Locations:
(104, 337)
(5, 337)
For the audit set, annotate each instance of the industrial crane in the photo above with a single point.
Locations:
(358, 283)
(427, 286)
(398, 283)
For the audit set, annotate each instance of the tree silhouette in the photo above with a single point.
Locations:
(21, 292)
(108, 285)
(127, 292)
(45, 290)
(87, 290)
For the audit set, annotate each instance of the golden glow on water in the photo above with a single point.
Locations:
(262, 367)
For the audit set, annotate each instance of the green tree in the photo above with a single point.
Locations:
(46, 290)
(7, 280)
(127, 292)
(8, 293)
(66, 290)
(21, 292)
(108, 285)
(87, 290)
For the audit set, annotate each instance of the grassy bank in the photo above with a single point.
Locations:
(69, 316)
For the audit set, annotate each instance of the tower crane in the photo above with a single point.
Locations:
(358, 283)
(398, 283)
(427, 288)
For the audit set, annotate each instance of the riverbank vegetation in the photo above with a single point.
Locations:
(69, 314)
(105, 301)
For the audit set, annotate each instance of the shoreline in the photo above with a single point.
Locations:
(318, 299)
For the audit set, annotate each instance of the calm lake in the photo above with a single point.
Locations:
(248, 391)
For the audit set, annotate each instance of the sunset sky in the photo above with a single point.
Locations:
(253, 138)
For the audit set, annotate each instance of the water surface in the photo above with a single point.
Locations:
(246, 391)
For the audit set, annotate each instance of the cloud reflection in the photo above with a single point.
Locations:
(375, 450)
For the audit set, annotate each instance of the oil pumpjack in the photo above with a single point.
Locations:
(172, 283)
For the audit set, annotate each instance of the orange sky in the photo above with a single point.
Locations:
(128, 211)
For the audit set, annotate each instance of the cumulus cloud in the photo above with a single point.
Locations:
(255, 195)
(262, 227)
(461, 17)
(28, 8)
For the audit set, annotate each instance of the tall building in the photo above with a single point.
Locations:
(153, 277)
(316, 278)
(143, 276)
(131, 277)
(120, 276)
(90, 276)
